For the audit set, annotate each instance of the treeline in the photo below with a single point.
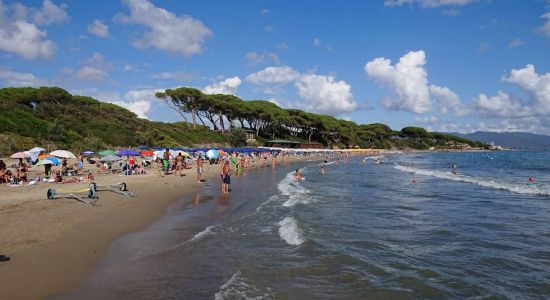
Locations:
(50, 116)
(224, 112)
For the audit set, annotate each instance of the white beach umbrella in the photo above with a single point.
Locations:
(19, 155)
(62, 154)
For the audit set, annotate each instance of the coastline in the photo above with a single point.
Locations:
(53, 245)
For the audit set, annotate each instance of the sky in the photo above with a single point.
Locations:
(446, 65)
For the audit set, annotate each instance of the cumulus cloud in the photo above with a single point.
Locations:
(137, 101)
(427, 3)
(538, 86)
(182, 35)
(227, 86)
(408, 80)
(255, 58)
(324, 94)
(50, 13)
(273, 75)
(545, 29)
(94, 69)
(19, 32)
(99, 29)
(501, 105)
(13, 78)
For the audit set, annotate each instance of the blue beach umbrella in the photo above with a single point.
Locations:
(88, 153)
(54, 160)
(128, 152)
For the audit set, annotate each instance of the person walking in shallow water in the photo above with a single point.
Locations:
(226, 177)
(200, 162)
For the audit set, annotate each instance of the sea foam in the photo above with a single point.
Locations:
(484, 182)
(291, 188)
(290, 232)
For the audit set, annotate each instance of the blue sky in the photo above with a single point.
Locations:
(448, 65)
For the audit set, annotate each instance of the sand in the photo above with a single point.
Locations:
(54, 244)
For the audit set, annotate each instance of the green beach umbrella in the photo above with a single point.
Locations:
(107, 153)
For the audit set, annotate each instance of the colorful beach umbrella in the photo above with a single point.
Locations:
(43, 156)
(221, 152)
(147, 153)
(54, 160)
(63, 154)
(107, 153)
(128, 152)
(44, 162)
(212, 153)
(19, 155)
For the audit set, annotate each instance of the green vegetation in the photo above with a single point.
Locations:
(51, 117)
(237, 137)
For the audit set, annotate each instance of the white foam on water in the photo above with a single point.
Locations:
(237, 288)
(291, 188)
(290, 232)
(485, 182)
(207, 231)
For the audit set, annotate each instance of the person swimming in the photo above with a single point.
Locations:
(453, 168)
(298, 175)
(322, 170)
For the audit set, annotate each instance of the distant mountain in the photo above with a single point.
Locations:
(517, 140)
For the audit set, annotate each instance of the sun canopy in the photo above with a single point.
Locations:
(110, 158)
(19, 155)
(62, 154)
(107, 153)
(128, 152)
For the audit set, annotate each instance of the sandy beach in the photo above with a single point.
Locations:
(54, 244)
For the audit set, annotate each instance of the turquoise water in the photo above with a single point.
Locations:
(359, 232)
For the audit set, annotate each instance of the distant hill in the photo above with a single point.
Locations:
(517, 140)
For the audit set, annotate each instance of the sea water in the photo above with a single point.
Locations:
(405, 229)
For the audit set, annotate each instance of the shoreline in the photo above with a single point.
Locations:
(46, 260)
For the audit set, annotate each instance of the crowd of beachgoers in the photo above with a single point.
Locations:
(37, 165)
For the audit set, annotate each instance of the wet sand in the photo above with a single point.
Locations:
(53, 245)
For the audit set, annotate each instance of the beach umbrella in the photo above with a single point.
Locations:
(221, 152)
(212, 153)
(128, 152)
(19, 155)
(44, 162)
(147, 153)
(34, 152)
(37, 149)
(110, 158)
(88, 153)
(44, 156)
(54, 160)
(107, 153)
(62, 154)
(199, 152)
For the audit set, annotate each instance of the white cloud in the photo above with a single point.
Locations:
(227, 86)
(324, 94)
(264, 12)
(427, 120)
(427, 3)
(484, 47)
(545, 29)
(447, 100)
(138, 100)
(255, 58)
(98, 28)
(20, 36)
(273, 75)
(317, 43)
(408, 79)
(13, 78)
(516, 43)
(537, 85)
(94, 69)
(501, 105)
(50, 13)
(177, 75)
(182, 35)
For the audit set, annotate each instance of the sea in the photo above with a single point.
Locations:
(406, 228)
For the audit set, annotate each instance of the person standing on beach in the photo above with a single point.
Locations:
(166, 160)
(200, 162)
(179, 164)
(226, 177)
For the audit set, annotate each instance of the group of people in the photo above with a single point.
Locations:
(15, 177)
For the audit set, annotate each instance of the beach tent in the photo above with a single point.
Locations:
(62, 154)
(128, 152)
(19, 155)
(107, 153)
